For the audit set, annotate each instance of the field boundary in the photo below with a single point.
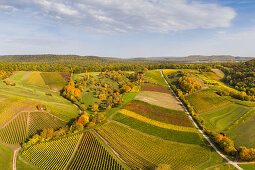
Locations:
(205, 136)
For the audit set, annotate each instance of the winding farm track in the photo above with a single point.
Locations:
(206, 137)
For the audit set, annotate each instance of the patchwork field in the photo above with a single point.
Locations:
(35, 79)
(54, 80)
(159, 99)
(52, 155)
(148, 151)
(220, 119)
(206, 100)
(159, 115)
(173, 134)
(92, 155)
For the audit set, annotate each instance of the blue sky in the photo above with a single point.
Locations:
(133, 28)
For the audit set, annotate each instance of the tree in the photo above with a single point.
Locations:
(94, 108)
(100, 117)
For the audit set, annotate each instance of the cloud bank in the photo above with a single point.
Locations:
(129, 15)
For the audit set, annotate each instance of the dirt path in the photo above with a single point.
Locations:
(206, 137)
(15, 158)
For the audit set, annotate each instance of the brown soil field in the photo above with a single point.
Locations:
(156, 88)
(159, 115)
(160, 99)
(66, 76)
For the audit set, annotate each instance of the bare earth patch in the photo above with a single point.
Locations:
(160, 99)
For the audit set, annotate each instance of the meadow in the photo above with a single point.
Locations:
(220, 119)
(206, 100)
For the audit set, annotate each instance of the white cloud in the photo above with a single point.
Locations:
(132, 15)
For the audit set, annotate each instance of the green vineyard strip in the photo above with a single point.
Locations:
(92, 155)
(52, 155)
(15, 132)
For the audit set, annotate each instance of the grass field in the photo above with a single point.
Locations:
(159, 115)
(155, 77)
(54, 154)
(167, 134)
(247, 166)
(12, 106)
(218, 73)
(244, 133)
(18, 76)
(92, 155)
(54, 80)
(35, 79)
(220, 119)
(159, 99)
(20, 165)
(16, 131)
(43, 120)
(206, 100)
(156, 88)
(6, 155)
(212, 75)
(149, 151)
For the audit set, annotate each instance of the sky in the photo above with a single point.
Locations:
(128, 28)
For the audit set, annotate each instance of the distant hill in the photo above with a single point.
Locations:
(91, 60)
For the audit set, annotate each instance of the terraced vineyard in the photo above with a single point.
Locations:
(148, 151)
(92, 155)
(43, 120)
(16, 131)
(54, 154)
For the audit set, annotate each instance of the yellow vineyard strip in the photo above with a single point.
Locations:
(157, 123)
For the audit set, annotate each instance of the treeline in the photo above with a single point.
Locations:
(241, 76)
(68, 68)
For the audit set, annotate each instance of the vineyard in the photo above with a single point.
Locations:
(54, 80)
(54, 154)
(156, 88)
(16, 131)
(206, 100)
(35, 79)
(43, 120)
(167, 134)
(155, 77)
(148, 151)
(157, 123)
(92, 155)
(159, 115)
